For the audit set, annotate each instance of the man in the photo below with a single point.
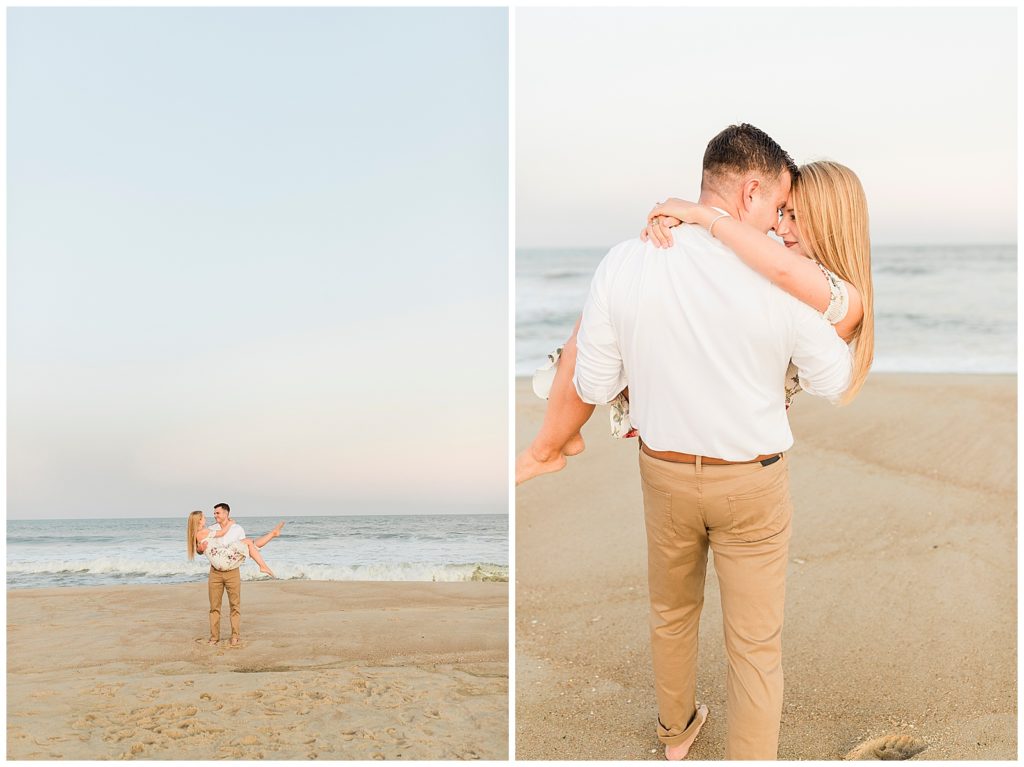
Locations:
(706, 343)
(220, 580)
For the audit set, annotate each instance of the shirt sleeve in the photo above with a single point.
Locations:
(600, 374)
(822, 358)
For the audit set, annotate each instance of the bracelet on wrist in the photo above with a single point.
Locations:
(714, 221)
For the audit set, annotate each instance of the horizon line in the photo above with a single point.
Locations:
(274, 516)
(873, 245)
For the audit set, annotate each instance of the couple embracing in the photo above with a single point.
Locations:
(699, 333)
(226, 547)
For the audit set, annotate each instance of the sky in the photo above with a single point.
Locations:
(257, 256)
(614, 108)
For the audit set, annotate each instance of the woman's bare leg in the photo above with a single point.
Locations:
(559, 434)
(254, 552)
(263, 540)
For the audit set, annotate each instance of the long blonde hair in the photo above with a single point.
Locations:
(832, 214)
(194, 521)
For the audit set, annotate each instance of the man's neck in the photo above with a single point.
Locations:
(715, 200)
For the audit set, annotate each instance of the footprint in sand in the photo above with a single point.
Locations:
(107, 690)
(888, 747)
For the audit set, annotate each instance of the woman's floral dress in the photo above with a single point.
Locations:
(838, 306)
(225, 556)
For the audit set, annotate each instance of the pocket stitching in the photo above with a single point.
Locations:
(771, 522)
(667, 526)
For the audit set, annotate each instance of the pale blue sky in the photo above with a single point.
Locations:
(257, 255)
(614, 107)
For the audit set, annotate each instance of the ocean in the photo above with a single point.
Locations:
(105, 552)
(938, 309)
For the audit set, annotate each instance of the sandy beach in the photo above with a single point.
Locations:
(901, 591)
(326, 670)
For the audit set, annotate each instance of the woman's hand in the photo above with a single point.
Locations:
(671, 213)
(659, 230)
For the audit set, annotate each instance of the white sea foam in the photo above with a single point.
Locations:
(110, 566)
(131, 569)
(351, 548)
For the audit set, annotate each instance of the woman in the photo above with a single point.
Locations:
(824, 261)
(226, 556)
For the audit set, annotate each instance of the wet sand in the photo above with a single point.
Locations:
(325, 671)
(901, 591)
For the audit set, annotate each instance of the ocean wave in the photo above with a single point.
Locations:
(120, 570)
(569, 274)
(951, 365)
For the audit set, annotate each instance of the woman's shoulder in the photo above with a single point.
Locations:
(839, 295)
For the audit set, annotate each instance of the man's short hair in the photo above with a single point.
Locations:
(222, 506)
(742, 149)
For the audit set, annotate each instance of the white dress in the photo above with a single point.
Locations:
(622, 427)
(225, 556)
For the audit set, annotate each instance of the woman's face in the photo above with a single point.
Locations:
(788, 229)
(202, 521)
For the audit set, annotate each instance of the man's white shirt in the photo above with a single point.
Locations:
(703, 342)
(234, 533)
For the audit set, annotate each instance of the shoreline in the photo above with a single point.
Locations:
(484, 578)
(329, 670)
(112, 586)
(521, 379)
(904, 544)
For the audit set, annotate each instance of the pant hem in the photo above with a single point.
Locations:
(675, 740)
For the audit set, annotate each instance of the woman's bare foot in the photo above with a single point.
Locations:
(679, 751)
(277, 530)
(235, 642)
(532, 463)
(575, 445)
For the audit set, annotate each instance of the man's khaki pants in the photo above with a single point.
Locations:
(219, 581)
(743, 511)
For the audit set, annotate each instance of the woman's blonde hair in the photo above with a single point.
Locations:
(832, 214)
(194, 520)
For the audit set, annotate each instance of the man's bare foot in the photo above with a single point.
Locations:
(267, 571)
(530, 464)
(235, 642)
(575, 445)
(277, 530)
(213, 641)
(679, 751)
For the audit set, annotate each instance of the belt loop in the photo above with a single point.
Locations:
(698, 464)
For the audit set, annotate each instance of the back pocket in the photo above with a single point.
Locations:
(764, 512)
(657, 512)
